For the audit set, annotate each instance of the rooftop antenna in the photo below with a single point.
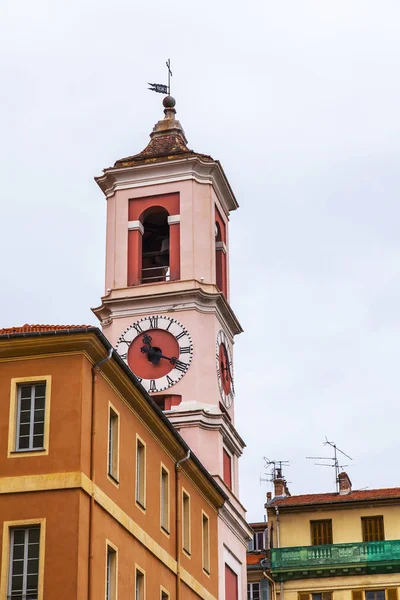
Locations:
(161, 88)
(274, 469)
(335, 461)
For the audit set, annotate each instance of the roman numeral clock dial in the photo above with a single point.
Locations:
(158, 349)
(224, 369)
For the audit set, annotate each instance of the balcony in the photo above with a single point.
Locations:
(302, 562)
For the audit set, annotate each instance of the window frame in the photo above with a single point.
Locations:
(314, 534)
(165, 511)
(186, 527)
(5, 570)
(164, 594)
(140, 482)
(113, 444)
(111, 551)
(143, 575)
(205, 544)
(250, 585)
(16, 383)
(380, 528)
(226, 453)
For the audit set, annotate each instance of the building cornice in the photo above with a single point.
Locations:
(168, 297)
(206, 419)
(194, 168)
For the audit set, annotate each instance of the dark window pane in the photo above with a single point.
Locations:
(40, 390)
(18, 567)
(18, 552)
(32, 582)
(34, 535)
(23, 443)
(25, 416)
(16, 583)
(39, 403)
(19, 536)
(39, 416)
(33, 566)
(24, 429)
(26, 403)
(26, 391)
(38, 441)
(38, 428)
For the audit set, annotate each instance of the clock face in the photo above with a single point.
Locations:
(225, 369)
(158, 350)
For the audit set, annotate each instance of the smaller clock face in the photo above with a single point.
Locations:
(225, 369)
(158, 350)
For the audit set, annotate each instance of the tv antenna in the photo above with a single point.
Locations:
(334, 460)
(274, 469)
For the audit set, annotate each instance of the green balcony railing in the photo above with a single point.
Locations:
(337, 555)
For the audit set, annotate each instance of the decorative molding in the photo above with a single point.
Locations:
(221, 246)
(136, 225)
(174, 219)
(149, 174)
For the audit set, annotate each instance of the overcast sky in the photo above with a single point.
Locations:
(299, 99)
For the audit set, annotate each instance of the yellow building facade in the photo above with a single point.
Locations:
(337, 546)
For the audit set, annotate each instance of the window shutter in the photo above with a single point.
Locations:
(391, 594)
(264, 586)
(304, 596)
(326, 595)
(357, 595)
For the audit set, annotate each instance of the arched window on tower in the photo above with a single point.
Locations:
(155, 245)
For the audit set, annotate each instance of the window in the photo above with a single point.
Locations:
(372, 529)
(111, 573)
(23, 583)
(113, 443)
(164, 500)
(140, 473)
(316, 596)
(139, 584)
(258, 541)
(186, 522)
(164, 594)
(155, 246)
(388, 594)
(227, 468)
(30, 416)
(321, 532)
(253, 591)
(206, 543)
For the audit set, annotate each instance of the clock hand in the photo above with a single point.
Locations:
(172, 360)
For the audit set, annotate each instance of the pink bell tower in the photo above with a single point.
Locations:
(166, 307)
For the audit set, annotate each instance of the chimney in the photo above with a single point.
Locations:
(344, 483)
(280, 485)
(269, 496)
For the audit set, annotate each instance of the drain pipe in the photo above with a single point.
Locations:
(95, 372)
(272, 583)
(278, 540)
(178, 510)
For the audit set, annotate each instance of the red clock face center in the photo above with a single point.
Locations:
(224, 369)
(164, 343)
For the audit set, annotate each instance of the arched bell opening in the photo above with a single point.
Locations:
(155, 245)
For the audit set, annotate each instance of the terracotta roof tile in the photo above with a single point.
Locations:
(356, 495)
(40, 328)
(253, 558)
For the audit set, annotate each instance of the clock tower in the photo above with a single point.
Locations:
(166, 306)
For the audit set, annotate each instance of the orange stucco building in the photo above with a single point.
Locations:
(99, 495)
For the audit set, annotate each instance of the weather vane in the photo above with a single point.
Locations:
(160, 87)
